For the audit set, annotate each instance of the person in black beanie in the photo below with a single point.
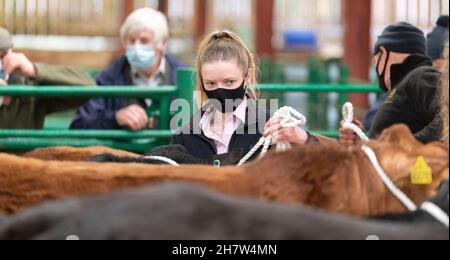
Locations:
(406, 74)
(436, 41)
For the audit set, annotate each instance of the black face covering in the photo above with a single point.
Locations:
(227, 100)
(382, 76)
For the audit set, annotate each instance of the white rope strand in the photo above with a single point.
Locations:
(435, 212)
(162, 159)
(347, 112)
(389, 184)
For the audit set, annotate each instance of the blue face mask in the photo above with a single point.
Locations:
(141, 57)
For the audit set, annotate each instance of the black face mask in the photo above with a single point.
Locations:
(382, 76)
(227, 100)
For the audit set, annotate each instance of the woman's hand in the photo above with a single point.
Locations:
(293, 135)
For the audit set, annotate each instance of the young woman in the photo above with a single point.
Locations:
(227, 92)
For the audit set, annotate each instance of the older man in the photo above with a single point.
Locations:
(145, 35)
(16, 68)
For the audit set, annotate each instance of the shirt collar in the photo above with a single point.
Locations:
(239, 113)
(135, 74)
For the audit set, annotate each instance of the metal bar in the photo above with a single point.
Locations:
(164, 110)
(27, 144)
(320, 88)
(98, 134)
(330, 133)
(83, 91)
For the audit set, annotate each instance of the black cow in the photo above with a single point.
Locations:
(188, 212)
(177, 153)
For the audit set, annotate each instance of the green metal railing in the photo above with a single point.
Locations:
(342, 89)
(86, 92)
(142, 141)
(313, 88)
(127, 140)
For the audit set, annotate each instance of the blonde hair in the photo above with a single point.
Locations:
(445, 98)
(224, 46)
(146, 19)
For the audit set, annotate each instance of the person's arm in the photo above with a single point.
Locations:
(423, 94)
(95, 115)
(432, 132)
(424, 98)
(49, 75)
(55, 75)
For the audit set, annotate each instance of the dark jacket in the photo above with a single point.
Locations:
(100, 113)
(246, 136)
(370, 116)
(412, 101)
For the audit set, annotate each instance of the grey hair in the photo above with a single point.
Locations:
(146, 19)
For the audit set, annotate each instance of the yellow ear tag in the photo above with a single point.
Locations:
(421, 173)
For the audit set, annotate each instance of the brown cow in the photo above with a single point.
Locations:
(331, 177)
(62, 153)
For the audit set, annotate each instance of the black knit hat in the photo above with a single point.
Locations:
(402, 37)
(437, 38)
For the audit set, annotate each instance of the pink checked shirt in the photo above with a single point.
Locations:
(232, 123)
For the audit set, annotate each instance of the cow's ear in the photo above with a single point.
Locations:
(436, 156)
(400, 134)
(398, 161)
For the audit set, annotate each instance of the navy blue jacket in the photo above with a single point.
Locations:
(100, 113)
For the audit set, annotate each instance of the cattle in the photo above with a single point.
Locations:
(63, 153)
(331, 177)
(176, 153)
(181, 211)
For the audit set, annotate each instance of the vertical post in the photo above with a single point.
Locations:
(128, 7)
(164, 116)
(357, 25)
(185, 90)
(200, 20)
(264, 27)
(163, 6)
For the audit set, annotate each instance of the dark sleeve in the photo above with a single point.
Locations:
(95, 115)
(424, 97)
(423, 94)
(312, 139)
(432, 132)
(177, 139)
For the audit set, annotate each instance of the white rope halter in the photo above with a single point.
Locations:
(290, 118)
(162, 159)
(428, 207)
